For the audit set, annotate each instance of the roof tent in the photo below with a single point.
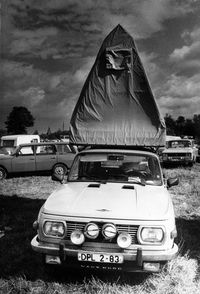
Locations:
(116, 105)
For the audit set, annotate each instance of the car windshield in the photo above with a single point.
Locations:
(179, 144)
(118, 167)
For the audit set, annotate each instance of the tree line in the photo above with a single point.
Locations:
(20, 118)
(183, 126)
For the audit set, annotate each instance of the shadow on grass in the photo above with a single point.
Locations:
(19, 260)
(189, 236)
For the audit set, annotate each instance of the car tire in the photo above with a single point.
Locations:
(3, 173)
(60, 169)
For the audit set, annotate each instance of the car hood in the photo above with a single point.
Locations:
(178, 150)
(110, 201)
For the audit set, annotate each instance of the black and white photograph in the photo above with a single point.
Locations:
(100, 146)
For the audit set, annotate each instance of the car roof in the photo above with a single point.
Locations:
(12, 137)
(116, 150)
(43, 144)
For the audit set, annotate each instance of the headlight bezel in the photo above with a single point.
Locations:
(105, 226)
(128, 241)
(87, 235)
(75, 241)
(54, 222)
(148, 242)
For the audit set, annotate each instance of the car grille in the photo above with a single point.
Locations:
(132, 230)
(177, 154)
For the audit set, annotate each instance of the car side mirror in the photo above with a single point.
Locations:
(58, 177)
(172, 182)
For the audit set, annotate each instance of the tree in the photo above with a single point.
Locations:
(189, 128)
(196, 120)
(180, 123)
(170, 124)
(19, 120)
(36, 132)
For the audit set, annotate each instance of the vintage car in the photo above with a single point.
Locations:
(114, 212)
(37, 157)
(181, 151)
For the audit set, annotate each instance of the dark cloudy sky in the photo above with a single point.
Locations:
(49, 46)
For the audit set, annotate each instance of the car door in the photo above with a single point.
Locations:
(65, 154)
(24, 160)
(45, 157)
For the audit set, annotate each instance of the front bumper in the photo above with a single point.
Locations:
(133, 259)
(176, 160)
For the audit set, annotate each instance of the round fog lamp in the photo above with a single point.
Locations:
(109, 231)
(124, 240)
(77, 237)
(91, 231)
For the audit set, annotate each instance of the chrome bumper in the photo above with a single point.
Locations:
(139, 255)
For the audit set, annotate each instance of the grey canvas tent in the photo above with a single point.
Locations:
(116, 105)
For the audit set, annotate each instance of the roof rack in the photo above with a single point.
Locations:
(153, 149)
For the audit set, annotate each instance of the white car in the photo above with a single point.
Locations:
(113, 213)
(180, 151)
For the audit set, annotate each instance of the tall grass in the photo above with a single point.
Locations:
(22, 271)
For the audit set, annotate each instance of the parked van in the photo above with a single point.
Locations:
(10, 142)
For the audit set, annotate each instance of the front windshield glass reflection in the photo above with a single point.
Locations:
(179, 144)
(129, 168)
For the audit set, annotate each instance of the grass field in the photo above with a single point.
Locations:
(22, 270)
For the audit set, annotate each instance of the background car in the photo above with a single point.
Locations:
(3, 151)
(180, 151)
(54, 157)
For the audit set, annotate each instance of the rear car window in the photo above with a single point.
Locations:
(8, 143)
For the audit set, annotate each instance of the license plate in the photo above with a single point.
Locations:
(102, 258)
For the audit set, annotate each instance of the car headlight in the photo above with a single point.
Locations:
(124, 240)
(109, 231)
(151, 235)
(165, 156)
(77, 237)
(91, 231)
(54, 229)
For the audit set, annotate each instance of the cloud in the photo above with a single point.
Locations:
(82, 73)
(30, 42)
(188, 55)
(51, 45)
(181, 95)
(34, 95)
(48, 95)
(62, 28)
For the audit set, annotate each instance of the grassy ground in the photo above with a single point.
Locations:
(22, 270)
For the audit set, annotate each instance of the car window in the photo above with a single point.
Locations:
(179, 144)
(45, 149)
(116, 168)
(26, 150)
(8, 143)
(62, 148)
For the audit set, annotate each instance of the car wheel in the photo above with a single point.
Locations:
(3, 173)
(60, 169)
